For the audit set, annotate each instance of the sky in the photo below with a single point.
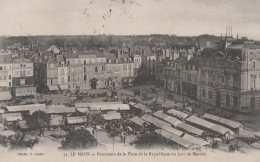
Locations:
(127, 17)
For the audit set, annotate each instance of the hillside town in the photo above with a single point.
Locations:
(198, 94)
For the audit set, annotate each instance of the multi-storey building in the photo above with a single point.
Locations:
(230, 81)
(85, 70)
(22, 77)
(137, 59)
(120, 70)
(6, 71)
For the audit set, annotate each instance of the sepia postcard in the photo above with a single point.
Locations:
(129, 80)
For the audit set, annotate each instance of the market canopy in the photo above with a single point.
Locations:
(106, 107)
(77, 120)
(59, 109)
(10, 117)
(167, 118)
(177, 114)
(200, 122)
(31, 108)
(223, 121)
(5, 95)
(89, 104)
(190, 128)
(152, 120)
(7, 133)
(53, 87)
(112, 116)
(142, 107)
(137, 120)
(172, 130)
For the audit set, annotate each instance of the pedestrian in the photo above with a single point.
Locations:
(124, 139)
(93, 131)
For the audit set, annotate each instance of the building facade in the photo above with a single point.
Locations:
(22, 77)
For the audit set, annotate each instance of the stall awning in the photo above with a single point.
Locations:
(77, 119)
(222, 121)
(64, 87)
(82, 110)
(200, 122)
(167, 118)
(59, 109)
(5, 95)
(112, 116)
(53, 87)
(10, 117)
(172, 130)
(190, 129)
(178, 114)
(137, 120)
(31, 108)
(7, 133)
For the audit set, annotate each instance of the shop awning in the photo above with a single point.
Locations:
(5, 95)
(112, 116)
(53, 87)
(64, 87)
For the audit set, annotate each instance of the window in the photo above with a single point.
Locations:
(96, 69)
(85, 69)
(10, 77)
(10, 84)
(68, 62)
(62, 71)
(69, 78)
(227, 99)
(125, 67)
(85, 62)
(253, 65)
(62, 79)
(210, 95)
(85, 77)
(203, 93)
(1, 68)
(103, 68)
(235, 101)
(4, 77)
(252, 102)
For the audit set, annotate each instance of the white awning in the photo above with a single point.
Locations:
(64, 87)
(53, 88)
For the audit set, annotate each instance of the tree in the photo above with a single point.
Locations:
(79, 139)
(37, 120)
(17, 144)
